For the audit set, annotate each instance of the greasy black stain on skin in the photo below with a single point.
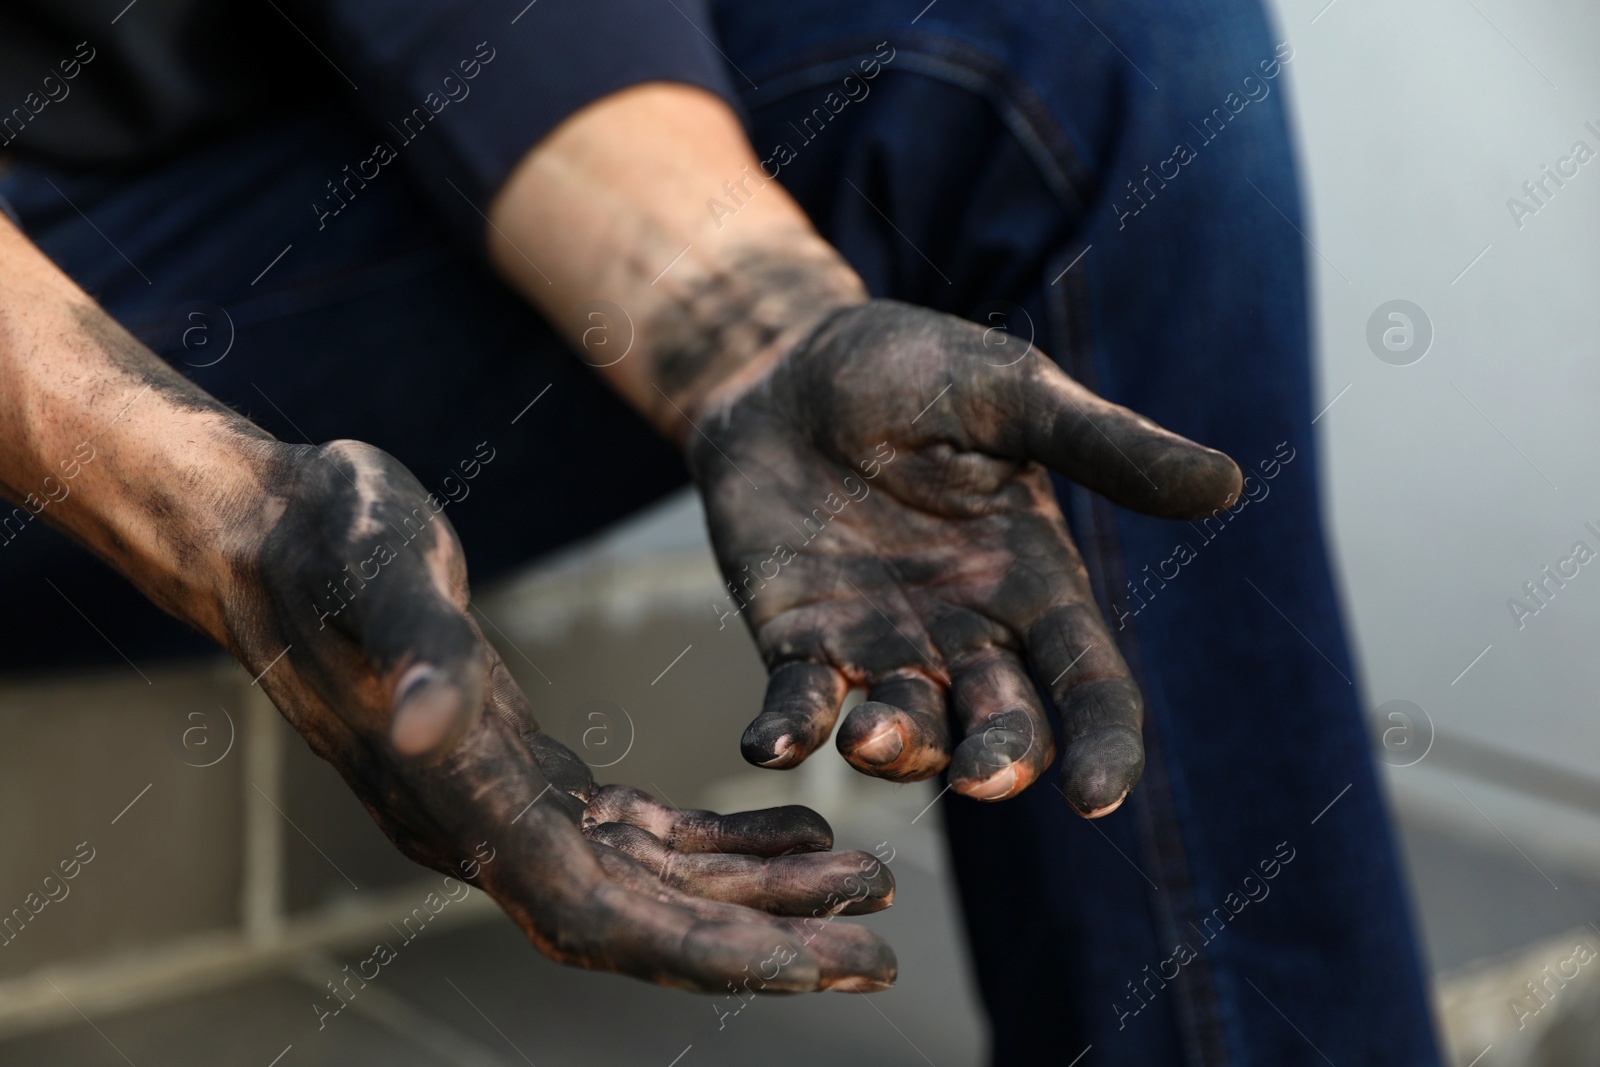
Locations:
(335, 573)
(723, 320)
(349, 553)
(125, 352)
(934, 579)
(166, 505)
(597, 876)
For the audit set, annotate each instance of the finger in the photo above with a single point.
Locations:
(853, 883)
(646, 931)
(1119, 454)
(851, 958)
(844, 956)
(797, 715)
(588, 905)
(555, 888)
(768, 832)
(1008, 741)
(440, 674)
(400, 595)
(1100, 707)
(901, 732)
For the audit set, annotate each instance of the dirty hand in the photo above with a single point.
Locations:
(880, 503)
(362, 579)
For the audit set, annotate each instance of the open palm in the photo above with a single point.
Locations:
(880, 505)
(350, 606)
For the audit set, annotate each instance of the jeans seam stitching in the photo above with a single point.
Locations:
(1020, 110)
(1199, 1019)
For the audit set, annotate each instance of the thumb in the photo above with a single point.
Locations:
(1121, 455)
(435, 703)
(425, 648)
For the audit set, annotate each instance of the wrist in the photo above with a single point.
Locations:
(107, 443)
(726, 321)
(179, 505)
(665, 254)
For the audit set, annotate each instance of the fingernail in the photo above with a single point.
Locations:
(426, 709)
(782, 750)
(1100, 769)
(857, 984)
(994, 787)
(882, 747)
(1107, 810)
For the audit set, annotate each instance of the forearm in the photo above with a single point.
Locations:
(616, 205)
(101, 439)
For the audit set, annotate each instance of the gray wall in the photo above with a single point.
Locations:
(1454, 480)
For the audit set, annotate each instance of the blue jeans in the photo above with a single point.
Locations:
(1108, 179)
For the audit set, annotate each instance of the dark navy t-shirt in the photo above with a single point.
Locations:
(108, 83)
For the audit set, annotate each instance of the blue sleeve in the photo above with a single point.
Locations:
(462, 89)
